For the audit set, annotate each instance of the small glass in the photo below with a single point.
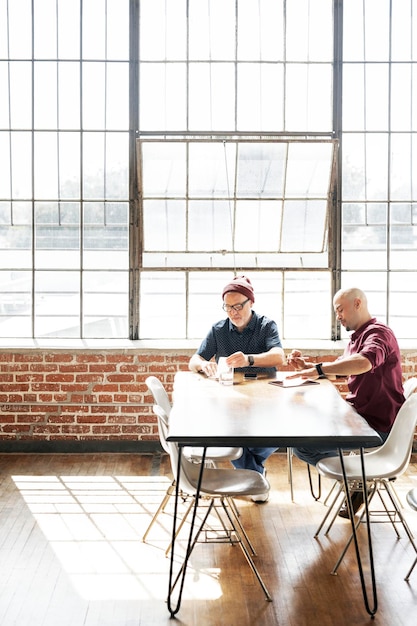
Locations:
(225, 372)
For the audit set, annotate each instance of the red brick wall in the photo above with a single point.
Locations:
(92, 396)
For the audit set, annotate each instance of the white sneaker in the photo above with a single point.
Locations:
(261, 497)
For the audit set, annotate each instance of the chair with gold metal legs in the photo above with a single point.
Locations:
(213, 455)
(213, 490)
(382, 466)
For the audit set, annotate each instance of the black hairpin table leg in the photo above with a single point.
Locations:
(174, 610)
(374, 608)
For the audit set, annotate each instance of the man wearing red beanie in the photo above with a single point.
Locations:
(250, 342)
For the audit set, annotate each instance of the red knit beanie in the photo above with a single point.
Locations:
(242, 285)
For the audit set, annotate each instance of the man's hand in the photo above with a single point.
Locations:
(311, 372)
(237, 359)
(296, 361)
(209, 368)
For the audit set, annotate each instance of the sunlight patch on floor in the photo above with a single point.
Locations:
(95, 526)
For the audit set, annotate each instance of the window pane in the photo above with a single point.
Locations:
(364, 236)
(205, 301)
(403, 243)
(403, 167)
(106, 304)
(162, 305)
(15, 235)
(260, 97)
(163, 96)
(210, 225)
(309, 30)
(69, 95)
(69, 29)
(94, 145)
(94, 96)
(212, 25)
(46, 165)
(106, 235)
(164, 172)
(261, 170)
(45, 29)
(301, 322)
(20, 95)
(57, 235)
(57, 304)
(264, 218)
(18, 17)
(211, 169)
(365, 166)
(163, 29)
(261, 30)
(117, 21)
(164, 225)
(403, 288)
(211, 96)
(403, 97)
(15, 303)
(304, 226)
(308, 103)
(308, 170)
(116, 166)
(362, 40)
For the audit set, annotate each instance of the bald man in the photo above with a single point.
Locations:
(372, 364)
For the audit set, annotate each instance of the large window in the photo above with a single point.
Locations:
(150, 149)
(379, 147)
(64, 154)
(212, 205)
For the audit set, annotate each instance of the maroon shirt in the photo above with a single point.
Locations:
(377, 395)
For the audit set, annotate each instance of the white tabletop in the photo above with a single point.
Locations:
(257, 413)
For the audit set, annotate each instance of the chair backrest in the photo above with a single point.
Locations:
(172, 449)
(159, 394)
(162, 420)
(409, 386)
(394, 455)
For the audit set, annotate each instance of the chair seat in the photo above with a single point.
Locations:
(225, 482)
(412, 498)
(375, 466)
(214, 454)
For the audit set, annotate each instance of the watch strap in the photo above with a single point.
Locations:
(319, 369)
(251, 360)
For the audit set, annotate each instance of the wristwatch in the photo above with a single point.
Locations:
(251, 360)
(320, 370)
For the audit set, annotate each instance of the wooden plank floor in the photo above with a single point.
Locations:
(71, 552)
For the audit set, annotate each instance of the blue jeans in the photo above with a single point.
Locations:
(253, 458)
(312, 457)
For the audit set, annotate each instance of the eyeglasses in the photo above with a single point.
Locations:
(235, 307)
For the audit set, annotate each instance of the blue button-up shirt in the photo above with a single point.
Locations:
(224, 339)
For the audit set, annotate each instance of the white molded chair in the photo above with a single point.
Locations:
(409, 386)
(218, 487)
(382, 465)
(412, 501)
(194, 454)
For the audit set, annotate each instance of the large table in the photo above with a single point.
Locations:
(257, 413)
